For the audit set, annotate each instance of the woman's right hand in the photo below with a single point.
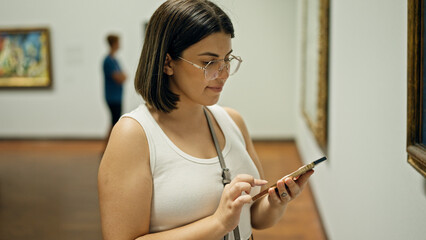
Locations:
(232, 200)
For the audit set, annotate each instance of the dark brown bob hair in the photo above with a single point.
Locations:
(174, 26)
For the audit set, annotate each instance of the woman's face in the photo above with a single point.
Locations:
(189, 82)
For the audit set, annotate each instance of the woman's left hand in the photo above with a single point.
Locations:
(287, 189)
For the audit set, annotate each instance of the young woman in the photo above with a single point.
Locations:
(161, 177)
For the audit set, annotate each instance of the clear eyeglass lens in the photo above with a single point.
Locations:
(234, 64)
(213, 69)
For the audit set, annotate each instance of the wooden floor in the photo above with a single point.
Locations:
(48, 190)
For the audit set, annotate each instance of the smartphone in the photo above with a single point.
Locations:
(295, 174)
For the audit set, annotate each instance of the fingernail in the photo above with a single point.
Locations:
(262, 181)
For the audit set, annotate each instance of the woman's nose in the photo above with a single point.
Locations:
(223, 71)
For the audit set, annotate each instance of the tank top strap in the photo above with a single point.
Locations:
(225, 120)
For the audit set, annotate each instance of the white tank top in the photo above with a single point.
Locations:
(186, 188)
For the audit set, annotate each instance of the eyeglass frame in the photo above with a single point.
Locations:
(238, 58)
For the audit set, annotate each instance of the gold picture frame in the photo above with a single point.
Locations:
(416, 148)
(315, 68)
(25, 58)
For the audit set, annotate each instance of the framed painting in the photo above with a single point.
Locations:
(416, 83)
(315, 68)
(25, 60)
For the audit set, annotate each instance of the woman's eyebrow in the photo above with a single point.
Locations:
(213, 54)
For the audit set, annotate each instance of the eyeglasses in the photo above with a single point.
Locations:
(213, 68)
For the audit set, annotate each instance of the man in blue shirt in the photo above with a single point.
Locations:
(114, 79)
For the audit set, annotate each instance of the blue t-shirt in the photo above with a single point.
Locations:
(113, 90)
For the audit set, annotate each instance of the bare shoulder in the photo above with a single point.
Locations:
(125, 182)
(128, 133)
(128, 127)
(127, 146)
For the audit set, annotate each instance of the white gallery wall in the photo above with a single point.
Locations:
(367, 190)
(263, 89)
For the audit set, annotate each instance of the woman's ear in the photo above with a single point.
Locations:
(168, 65)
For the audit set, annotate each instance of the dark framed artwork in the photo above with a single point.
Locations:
(416, 83)
(315, 68)
(25, 59)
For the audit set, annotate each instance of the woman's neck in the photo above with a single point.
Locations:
(184, 115)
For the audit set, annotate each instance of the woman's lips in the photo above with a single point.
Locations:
(216, 89)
